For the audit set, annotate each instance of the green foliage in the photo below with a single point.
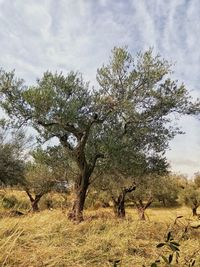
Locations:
(190, 195)
(8, 202)
(134, 92)
(197, 179)
(12, 144)
(39, 178)
(166, 190)
(54, 201)
(57, 160)
(11, 201)
(173, 247)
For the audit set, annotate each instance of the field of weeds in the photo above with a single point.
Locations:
(47, 238)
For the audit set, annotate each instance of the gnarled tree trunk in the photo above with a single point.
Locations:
(141, 207)
(81, 186)
(34, 201)
(85, 168)
(119, 202)
(118, 206)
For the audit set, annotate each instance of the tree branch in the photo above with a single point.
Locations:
(29, 195)
(92, 166)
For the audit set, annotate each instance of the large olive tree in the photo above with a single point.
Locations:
(134, 94)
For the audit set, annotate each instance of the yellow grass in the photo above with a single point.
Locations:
(49, 239)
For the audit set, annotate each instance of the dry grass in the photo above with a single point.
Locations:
(49, 239)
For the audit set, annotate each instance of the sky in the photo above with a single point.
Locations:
(64, 35)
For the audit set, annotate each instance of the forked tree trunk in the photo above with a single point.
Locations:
(34, 201)
(34, 205)
(119, 202)
(141, 213)
(141, 207)
(85, 168)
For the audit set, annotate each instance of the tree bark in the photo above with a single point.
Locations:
(76, 212)
(119, 207)
(119, 202)
(35, 206)
(141, 213)
(194, 211)
(85, 168)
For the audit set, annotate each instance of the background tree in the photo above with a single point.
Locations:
(59, 162)
(197, 179)
(149, 184)
(190, 196)
(167, 190)
(133, 94)
(39, 181)
(12, 144)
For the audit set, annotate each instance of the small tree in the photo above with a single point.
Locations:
(39, 181)
(167, 189)
(116, 187)
(149, 184)
(144, 194)
(190, 196)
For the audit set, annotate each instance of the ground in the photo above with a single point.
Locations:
(47, 238)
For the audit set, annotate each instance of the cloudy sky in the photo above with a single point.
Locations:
(36, 35)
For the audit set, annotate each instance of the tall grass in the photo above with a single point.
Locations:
(47, 238)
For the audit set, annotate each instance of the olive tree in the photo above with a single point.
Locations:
(197, 179)
(133, 94)
(39, 181)
(190, 196)
(58, 161)
(11, 155)
(167, 190)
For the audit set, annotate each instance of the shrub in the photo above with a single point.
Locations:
(9, 202)
(54, 201)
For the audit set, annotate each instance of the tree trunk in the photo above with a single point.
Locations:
(194, 211)
(141, 207)
(35, 206)
(119, 202)
(141, 213)
(85, 168)
(34, 200)
(76, 213)
(164, 203)
(119, 207)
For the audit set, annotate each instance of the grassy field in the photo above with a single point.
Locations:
(47, 238)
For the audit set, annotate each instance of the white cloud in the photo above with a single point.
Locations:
(65, 34)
